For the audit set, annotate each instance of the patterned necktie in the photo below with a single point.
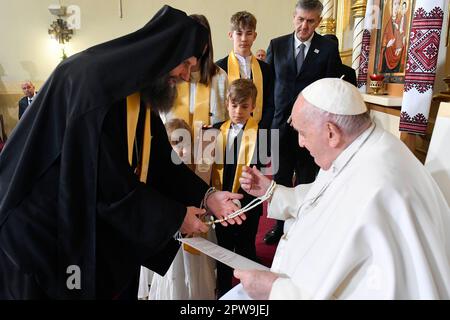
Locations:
(300, 56)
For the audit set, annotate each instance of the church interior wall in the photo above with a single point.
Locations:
(28, 52)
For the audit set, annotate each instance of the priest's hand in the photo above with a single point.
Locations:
(221, 204)
(254, 182)
(256, 283)
(192, 224)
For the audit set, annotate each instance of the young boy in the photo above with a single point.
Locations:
(179, 134)
(240, 63)
(240, 144)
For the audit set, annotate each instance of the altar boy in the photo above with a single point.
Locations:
(241, 63)
(239, 140)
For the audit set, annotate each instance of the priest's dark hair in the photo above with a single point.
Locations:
(208, 68)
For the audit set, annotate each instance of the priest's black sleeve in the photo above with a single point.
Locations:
(136, 222)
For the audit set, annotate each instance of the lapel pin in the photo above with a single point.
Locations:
(316, 50)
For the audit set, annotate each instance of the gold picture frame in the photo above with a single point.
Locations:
(344, 30)
(393, 39)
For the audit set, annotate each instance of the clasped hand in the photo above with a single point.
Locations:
(221, 204)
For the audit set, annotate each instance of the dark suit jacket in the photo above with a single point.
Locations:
(230, 166)
(321, 61)
(268, 104)
(349, 74)
(23, 105)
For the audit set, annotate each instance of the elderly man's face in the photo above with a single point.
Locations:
(261, 55)
(312, 134)
(28, 89)
(305, 22)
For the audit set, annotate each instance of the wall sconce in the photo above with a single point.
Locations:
(59, 29)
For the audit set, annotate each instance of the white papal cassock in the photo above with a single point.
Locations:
(373, 226)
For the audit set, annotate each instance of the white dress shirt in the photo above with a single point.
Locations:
(297, 43)
(30, 99)
(245, 66)
(235, 128)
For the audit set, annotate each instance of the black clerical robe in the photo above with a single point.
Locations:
(68, 199)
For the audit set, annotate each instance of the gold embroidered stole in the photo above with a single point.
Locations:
(246, 151)
(133, 107)
(235, 73)
(201, 108)
(200, 118)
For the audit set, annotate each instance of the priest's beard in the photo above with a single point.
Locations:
(160, 95)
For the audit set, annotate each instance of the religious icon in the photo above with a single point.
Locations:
(393, 38)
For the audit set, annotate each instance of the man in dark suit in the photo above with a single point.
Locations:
(297, 59)
(29, 92)
(348, 72)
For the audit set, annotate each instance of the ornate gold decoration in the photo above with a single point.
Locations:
(327, 26)
(447, 82)
(342, 22)
(60, 31)
(346, 56)
(448, 28)
(359, 8)
(346, 53)
(377, 86)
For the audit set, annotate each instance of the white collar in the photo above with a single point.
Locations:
(346, 155)
(298, 42)
(237, 126)
(243, 60)
(235, 130)
(325, 178)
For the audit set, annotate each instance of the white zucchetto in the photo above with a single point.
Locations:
(335, 96)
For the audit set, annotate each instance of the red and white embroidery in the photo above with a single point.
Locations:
(420, 74)
(423, 49)
(364, 59)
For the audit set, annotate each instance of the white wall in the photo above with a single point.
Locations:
(27, 52)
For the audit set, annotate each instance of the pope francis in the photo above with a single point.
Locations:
(374, 224)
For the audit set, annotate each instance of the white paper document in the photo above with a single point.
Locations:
(223, 255)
